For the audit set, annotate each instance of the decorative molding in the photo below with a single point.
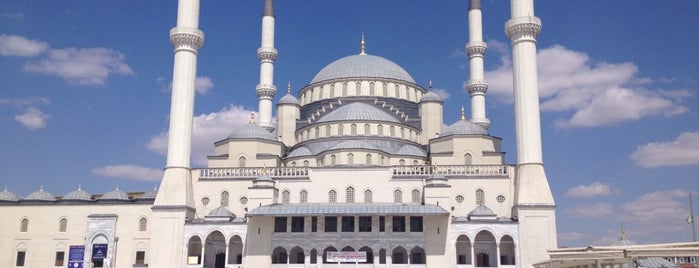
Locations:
(267, 54)
(477, 87)
(523, 28)
(265, 91)
(183, 38)
(476, 49)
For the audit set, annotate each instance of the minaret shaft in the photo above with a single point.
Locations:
(267, 54)
(475, 49)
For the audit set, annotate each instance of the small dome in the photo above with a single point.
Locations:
(8, 196)
(150, 194)
(115, 195)
(430, 97)
(288, 99)
(358, 111)
(221, 212)
(301, 151)
(252, 131)
(411, 150)
(362, 65)
(41, 195)
(464, 127)
(78, 194)
(482, 211)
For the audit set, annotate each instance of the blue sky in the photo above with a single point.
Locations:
(84, 95)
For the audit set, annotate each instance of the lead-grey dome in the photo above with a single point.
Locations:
(301, 151)
(411, 150)
(115, 195)
(252, 131)
(150, 194)
(8, 196)
(358, 111)
(221, 212)
(362, 65)
(78, 194)
(430, 96)
(288, 99)
(41, 195)
(464, 127)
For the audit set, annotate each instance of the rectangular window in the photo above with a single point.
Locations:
(140, 257)
(382, 223)
(297, 224)
(20, 258)
(280, 224)
(348, 224)
(330, 224)
(365, 223)
(314, 224)
(398, 224)
(416, 224)
(60, 255)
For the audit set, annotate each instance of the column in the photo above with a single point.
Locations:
(497, 250)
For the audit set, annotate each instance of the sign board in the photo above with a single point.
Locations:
(76, 255)
(99, 251)
(346, 256)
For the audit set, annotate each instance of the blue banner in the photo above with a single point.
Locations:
(99, 251)
(76, 255)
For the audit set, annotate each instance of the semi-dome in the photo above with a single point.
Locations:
(358, 111)
(41, 195)
(252, 131)
(464, 127)
(115, 195)
(411, 150)
(78, 194)
(430, 96)
(8, 196)
(362, 65)
(301, 151)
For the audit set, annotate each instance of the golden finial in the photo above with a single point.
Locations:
(363, 46)
(288, 88)
(463, 114)
(252, 118)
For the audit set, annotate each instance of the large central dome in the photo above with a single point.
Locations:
(362, 65)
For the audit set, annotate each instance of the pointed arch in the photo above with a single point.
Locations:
(296, 255)
(369, 254)
(224, 198)
(286, 197)
(24, 225)
(242, 161)
(397, 196)
(399, 255)
(368, 196)
(194, 247)
(62, 225)
(349, 195)
(303, 197)
(468, 159)
(463, 250)
(480, 197)
(235, 250)
(279, 255)
(416, 196)
(417, 255)
(325, 253)
(507, 250)
(142, 224)
(332, 196)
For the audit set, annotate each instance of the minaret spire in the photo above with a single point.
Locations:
(267, 54)
(475, 49)
(362, 45)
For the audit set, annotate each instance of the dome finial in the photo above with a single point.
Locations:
(363, 46)
(80, 187)
(5, 187)
(623, 232)
(430, 84)
(252, 118)
(288, 88)
(463, 114)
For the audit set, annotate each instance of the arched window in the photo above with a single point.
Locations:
(241, 161)
(372, 91)
(327, 131)
(467, 159)
(380, 130)
(349, 195)
(332, 91)
(305, 163)
(340, 130)
(350, 159)
(358, 88)
(402, 132)
(224, 199)
(353, 129)
(63, 225)
(415, 162)
(385, 89)
(401, 162)
(480, 197)
(293, 163)
(332, 196)
(416, 197)
(368, 196)
(397, 91)
(24, 226)
(332, 160)
(303, 197)
(344, 89)
(392, 131)
(382, 160)
(368, 159)
(286, 197)
(205, 201)
(367, 129)
(397, 196)
(142, 224)
(317, 133)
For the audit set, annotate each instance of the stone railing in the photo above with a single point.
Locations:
(453, 170)
(253, 172)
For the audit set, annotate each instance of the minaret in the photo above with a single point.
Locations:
(267, 55)
(174, 202)
(475, 49)
(533, 204)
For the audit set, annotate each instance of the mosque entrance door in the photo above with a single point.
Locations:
(220, 261)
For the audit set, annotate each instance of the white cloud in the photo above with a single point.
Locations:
(684, 150)
(33, 118)
(129, 172)
(592, 190)
(442, 93)
(13, 45)
(82, 66)
(573, 236)
(207, 128)
(16, 16)
(657, 214)
(203, 84)
(597, 94)
(21, 102)
(598, 210)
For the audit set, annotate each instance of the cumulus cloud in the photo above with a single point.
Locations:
(129, 172)
(202, 84)
(13, 45)
(684, 150)
(657, 214)
(597, 93)
(442, 93)
(81, 66)
(32, 119)
(207, 128)
(598, 210)
(592, 190)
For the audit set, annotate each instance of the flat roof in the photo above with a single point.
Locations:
(309, 209)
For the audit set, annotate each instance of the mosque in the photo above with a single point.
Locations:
(359, 170)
